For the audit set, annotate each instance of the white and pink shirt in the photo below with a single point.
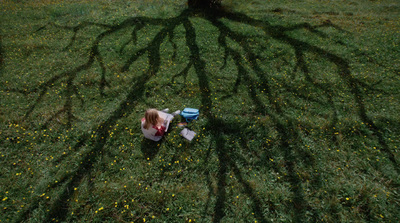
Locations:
(154, 133)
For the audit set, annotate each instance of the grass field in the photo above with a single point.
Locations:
(299, 111)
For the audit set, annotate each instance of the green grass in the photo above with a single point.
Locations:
(299, 104)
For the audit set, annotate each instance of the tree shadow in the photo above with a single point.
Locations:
(1, 56)
(288, 134)
(150, 148)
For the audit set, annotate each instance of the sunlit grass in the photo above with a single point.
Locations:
(299, 104)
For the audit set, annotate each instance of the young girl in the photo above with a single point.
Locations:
(155, 123)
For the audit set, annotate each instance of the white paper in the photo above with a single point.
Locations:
(187, 134)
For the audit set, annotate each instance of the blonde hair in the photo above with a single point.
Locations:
(151, 117)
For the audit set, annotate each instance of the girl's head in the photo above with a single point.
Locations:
(151, 117)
